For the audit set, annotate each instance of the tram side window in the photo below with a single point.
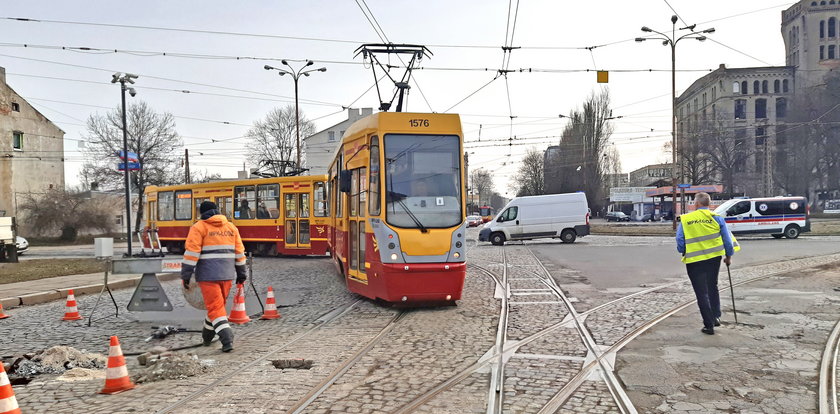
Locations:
(319, 195)
(304, 205)
(244, 201)
(362, 191)
(339, 196)
(183, 205)
(354, 194)
(268, 201)
(166, 205)
(375, 205)
(225, 205)
(197, 203)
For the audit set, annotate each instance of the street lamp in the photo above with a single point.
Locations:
(672, 41)
(296, 76)
(122, 78)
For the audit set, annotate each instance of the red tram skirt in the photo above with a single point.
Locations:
(420, 282)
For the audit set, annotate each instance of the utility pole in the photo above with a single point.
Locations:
(122, 79)
(672, 41)
(187, 179)
(296, 77)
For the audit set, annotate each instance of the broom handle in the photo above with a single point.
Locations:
(732, 294)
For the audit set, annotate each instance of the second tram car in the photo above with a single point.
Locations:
(399, 228)
(487, 213)
(282, 215)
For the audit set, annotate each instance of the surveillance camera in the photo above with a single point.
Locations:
(266, 67)
(284, 62)
(132, 92)
(115, 77)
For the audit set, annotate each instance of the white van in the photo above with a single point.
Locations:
(534, 217)
(779, 216)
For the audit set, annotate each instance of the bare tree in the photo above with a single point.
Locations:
(65, 212)
(583, 159)
(272, 140)
(694, 161)
(727, 150)
(482, 184)
(151, 136)
(529, 178)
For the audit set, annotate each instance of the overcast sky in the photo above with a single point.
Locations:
(235, 92)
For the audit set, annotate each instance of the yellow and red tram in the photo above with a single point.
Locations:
(282, 215)
(397, 202)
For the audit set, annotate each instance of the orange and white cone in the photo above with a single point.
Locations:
(238, 314)
(8, 402)
(2, 316)
(270, 306)
(71, 311)
(116, 373)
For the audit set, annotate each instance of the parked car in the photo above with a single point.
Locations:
(22, 245)
(650, 217)
(564, 216)
(474, 221)
(617, 216)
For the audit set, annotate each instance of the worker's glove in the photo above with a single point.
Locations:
(240, 279)
(241, 275)
(185, 280)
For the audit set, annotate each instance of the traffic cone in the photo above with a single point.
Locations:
(238, 314)
(8, 402)
(71, 311)
(270, 306)
(116, 374)
(2, 315)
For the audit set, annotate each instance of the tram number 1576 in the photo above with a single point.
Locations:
(415, 123)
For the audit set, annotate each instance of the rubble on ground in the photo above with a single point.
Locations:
(55, 360)
(292, 363)
(82, 374)
(175, 366)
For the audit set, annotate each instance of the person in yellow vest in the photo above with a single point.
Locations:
(703, 238)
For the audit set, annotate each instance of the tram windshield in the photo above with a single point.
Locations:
(423, 180)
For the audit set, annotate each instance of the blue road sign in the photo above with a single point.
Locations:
(132, 166)
(683, 185)
(132, 157)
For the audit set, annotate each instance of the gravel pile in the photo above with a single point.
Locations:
(178, 366)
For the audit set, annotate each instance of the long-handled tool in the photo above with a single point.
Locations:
(732, 294)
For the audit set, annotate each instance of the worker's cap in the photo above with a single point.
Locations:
(207, 206)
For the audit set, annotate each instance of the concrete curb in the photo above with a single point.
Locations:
(55, 294)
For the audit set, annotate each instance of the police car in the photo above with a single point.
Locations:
(779, 216)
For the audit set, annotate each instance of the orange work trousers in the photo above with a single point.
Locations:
(215, 295)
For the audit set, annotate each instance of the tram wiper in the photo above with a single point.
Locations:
(399, 198)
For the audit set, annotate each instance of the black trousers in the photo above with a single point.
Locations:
(704, 280)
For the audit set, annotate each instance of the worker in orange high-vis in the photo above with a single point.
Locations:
(215, 253)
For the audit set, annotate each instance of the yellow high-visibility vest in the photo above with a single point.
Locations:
(703, 238)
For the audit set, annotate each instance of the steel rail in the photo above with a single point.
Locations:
(828, 373)
(320, 324)
(495, 393)
(345, 366)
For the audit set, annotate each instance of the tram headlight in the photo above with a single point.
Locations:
(456, 255)
(392, 246)
(393, 256)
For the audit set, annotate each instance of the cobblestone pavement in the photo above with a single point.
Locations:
(422, 350)
(767, 363)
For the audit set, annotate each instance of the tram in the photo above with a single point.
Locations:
(398, 203)
(281, 215)
(487, 213)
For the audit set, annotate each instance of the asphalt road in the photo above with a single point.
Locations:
(606, 262)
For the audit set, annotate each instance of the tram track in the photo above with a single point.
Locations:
(323, 321)
(828, 373)
(601, 359)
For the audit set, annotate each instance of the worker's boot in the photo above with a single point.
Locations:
(226, 338)
(207, 333)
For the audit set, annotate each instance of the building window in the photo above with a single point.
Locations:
(17, 140)
(15, 107)
(781, 107)
(760, 136)
(331, 136)
(813, 3)
(704, 100)
(740, 109)
(764, 87)
(785, 86)
(822, 3)
(341, 134)
(744, 88)
(831, 51)
(760, 108)
(822, 52)
(756, 87)
(832, 27)
(714, 93)
(822, 29)
(777, 86)
(736, 87)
